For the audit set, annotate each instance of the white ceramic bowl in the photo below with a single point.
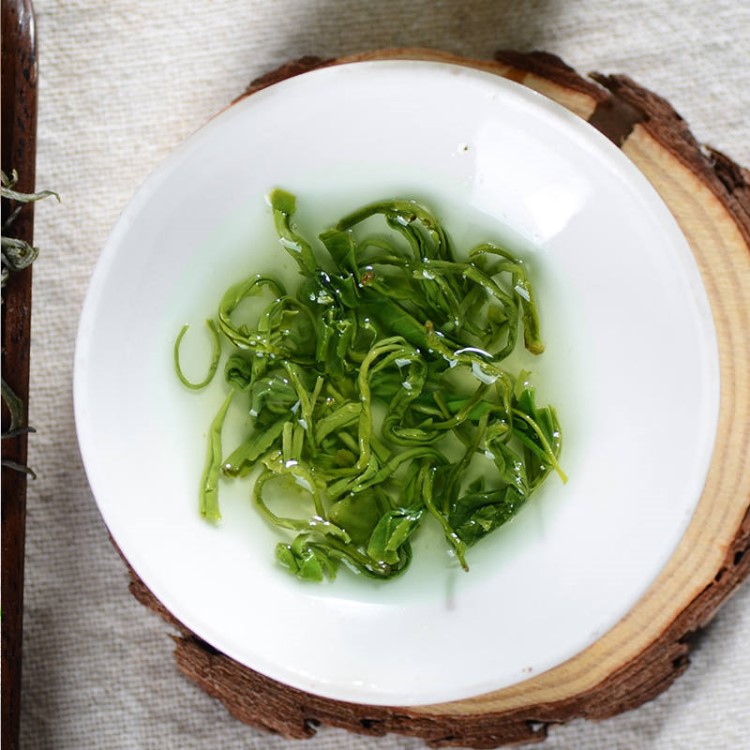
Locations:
(631, 365)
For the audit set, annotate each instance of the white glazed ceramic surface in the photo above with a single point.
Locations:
(631, 366)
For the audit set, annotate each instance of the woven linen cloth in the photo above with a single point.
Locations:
(121, 84)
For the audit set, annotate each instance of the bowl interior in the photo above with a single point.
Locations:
(631, 366)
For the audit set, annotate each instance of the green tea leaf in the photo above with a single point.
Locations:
(377, 397)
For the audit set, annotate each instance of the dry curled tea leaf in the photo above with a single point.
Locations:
(17, 255)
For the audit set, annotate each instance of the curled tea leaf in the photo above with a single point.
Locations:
(377, 397)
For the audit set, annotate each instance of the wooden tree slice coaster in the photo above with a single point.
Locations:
(642, 655)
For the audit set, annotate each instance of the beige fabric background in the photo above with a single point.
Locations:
(122, 83)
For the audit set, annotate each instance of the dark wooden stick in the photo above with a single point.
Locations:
(19, 100)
